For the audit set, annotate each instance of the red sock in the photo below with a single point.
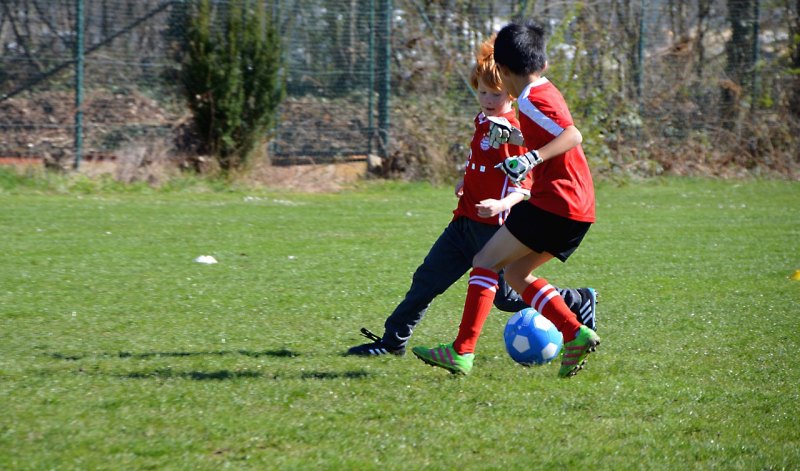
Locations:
(546, 301)
(480, 296)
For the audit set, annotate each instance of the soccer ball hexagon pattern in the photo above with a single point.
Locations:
(531, 339)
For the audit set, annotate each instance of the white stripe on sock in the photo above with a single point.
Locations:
(482, 278)
(544, 289)
(483, 284)
(546, 300)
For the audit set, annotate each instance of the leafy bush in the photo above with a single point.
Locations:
(231, 78)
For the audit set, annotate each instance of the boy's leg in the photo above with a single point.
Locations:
(581, 301)
(458, 356)
(444, 264)
(481, 291)
(550, 235)
(480, 296)
(579, 340)
(543, 297)
(507, 299)
(587, 310)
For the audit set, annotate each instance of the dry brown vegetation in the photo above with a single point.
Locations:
(672, 119)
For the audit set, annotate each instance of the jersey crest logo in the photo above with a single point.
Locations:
(485, 143)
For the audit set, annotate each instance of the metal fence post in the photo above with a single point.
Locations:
(756, 32)
(640, 55)
(386, 88)
(371, 74)
(79, 59)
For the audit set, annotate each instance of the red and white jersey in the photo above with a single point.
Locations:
(562, 184)
(483, 181)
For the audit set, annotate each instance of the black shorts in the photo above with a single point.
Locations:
(543, 231)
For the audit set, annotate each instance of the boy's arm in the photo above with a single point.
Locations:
(492, 207)
(517, 167)
(570, 137)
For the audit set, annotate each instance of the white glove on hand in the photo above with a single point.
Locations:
(517, 167)
(502, 131)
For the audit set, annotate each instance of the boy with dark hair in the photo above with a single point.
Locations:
(550, 225)
(485, 198)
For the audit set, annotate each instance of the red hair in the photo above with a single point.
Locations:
(485, 70)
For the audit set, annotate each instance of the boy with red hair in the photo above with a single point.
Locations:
(550, 225)
(485, 198)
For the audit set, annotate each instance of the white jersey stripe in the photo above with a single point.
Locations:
(501, 218)
(535, 114)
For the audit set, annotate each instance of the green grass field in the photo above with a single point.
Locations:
(117, 351)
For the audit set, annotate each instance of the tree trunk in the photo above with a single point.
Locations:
(703, 12)
(794, 104)
(739, 66)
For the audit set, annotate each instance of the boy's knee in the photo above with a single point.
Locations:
(483, 261)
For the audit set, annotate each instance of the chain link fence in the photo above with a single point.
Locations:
(710, 81)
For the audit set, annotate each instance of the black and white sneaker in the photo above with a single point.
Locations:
(375, 348)
(588, 311)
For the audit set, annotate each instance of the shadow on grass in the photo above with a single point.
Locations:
(330, 375)
(281, 353)
(194, 375)
(166, 373)
(219, 375)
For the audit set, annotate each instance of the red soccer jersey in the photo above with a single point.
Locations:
(483, 181)
(563, 184)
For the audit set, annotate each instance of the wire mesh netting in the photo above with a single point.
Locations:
(376, 76)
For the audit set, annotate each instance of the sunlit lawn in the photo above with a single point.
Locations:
(118, 351)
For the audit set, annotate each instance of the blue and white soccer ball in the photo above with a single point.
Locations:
(531, 339)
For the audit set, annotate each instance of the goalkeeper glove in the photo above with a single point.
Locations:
(502, 131)
(517, 167)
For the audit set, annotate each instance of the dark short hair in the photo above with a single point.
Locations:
(521, 47)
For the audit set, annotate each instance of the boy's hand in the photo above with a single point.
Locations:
(517, 167)
(501, 131)
(490, 208)
(459, 190)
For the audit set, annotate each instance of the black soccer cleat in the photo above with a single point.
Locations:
(588, 310)
(374, 348)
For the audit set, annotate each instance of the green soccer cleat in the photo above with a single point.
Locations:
(445, 356)
(574, 353)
